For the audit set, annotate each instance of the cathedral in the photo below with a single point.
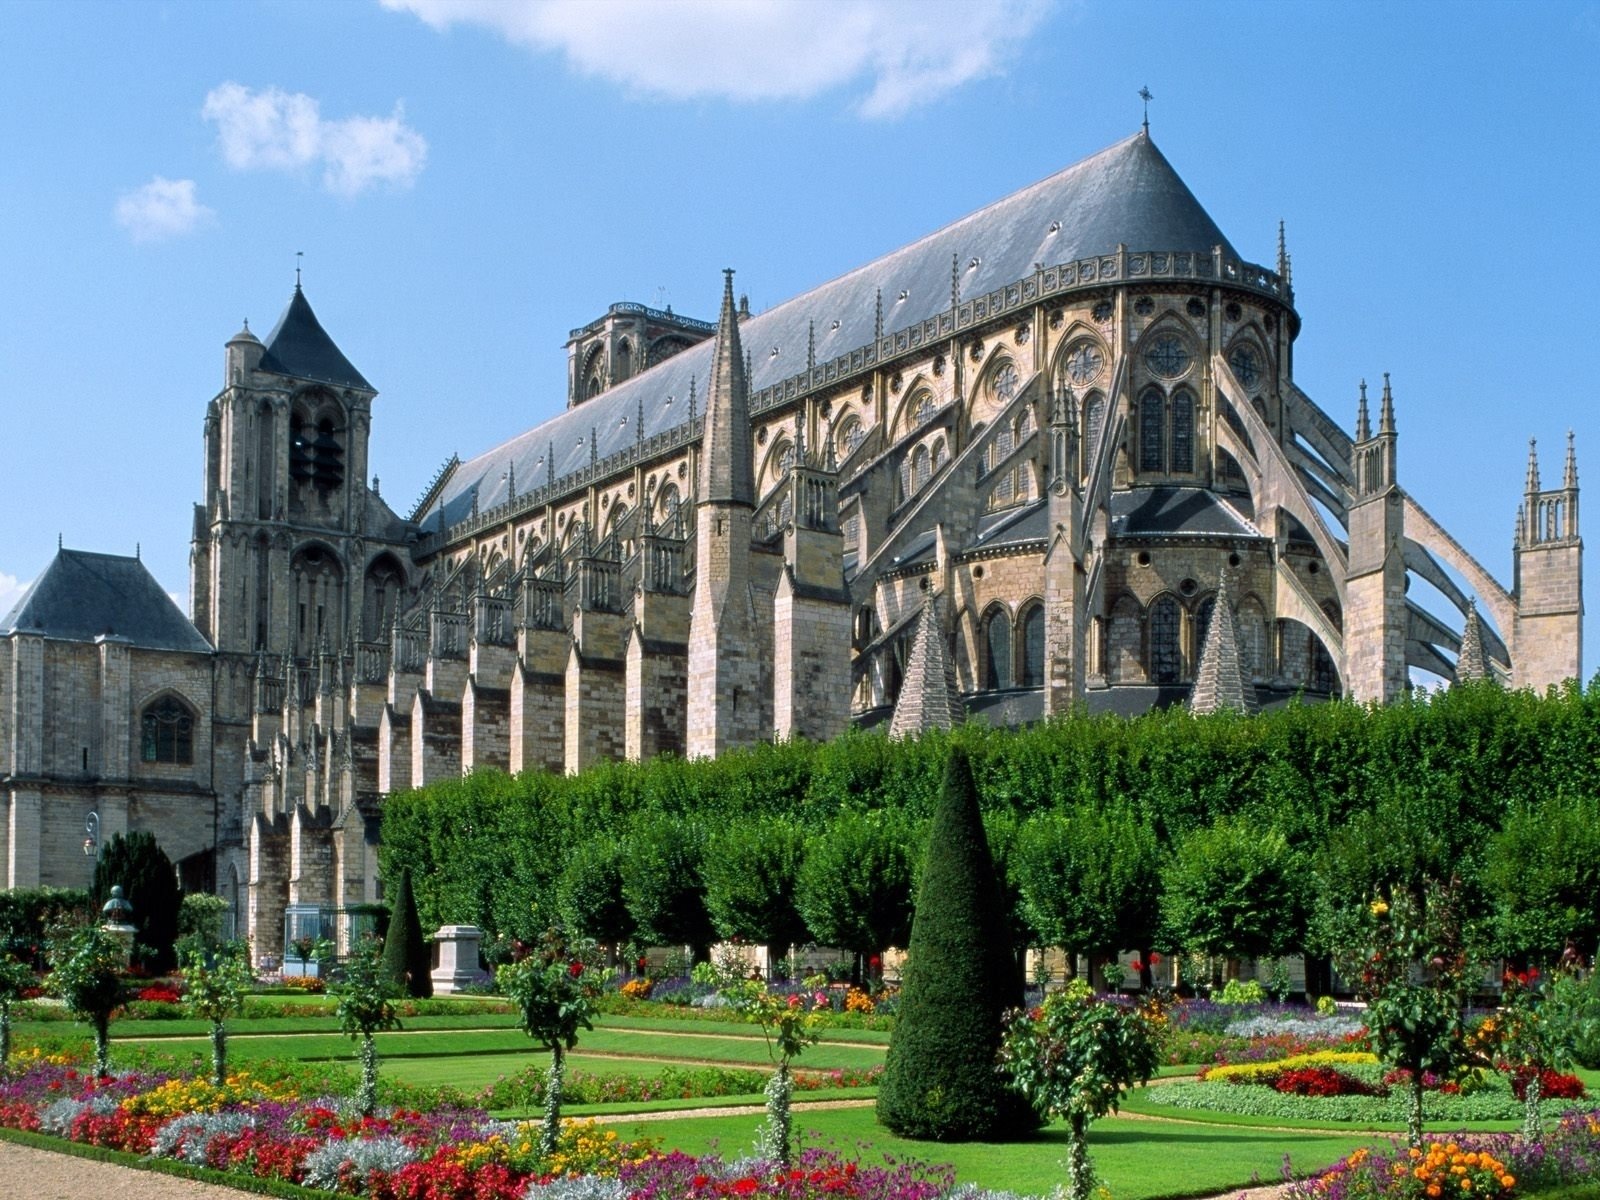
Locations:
(1049, 458)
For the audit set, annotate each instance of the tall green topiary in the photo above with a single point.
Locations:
(149, 882)
(406, 961)
(940, 1082)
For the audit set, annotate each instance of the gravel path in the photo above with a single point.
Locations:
(29, 1174)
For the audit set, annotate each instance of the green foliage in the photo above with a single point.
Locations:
(1543, 871)
(1242, 991)
(86, 972)
(1234, 890)
(939, 1080)
(215, 988)
(366, 1006)
(855, 882)
(27, 915)
(752, 872)
(150, 883)
(15, 978)
(662, 884)
(200, 917)
(1073, 1058)
(589, 896)
(789, 1028)
(406, 960)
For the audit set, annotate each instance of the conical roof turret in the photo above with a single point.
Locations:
(726, 471)
(1472, 663)
(299, 347)
(1219, 682)
(929, 698)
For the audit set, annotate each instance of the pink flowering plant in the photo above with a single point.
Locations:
(790, 1024)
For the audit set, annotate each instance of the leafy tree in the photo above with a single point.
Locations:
(855, 883)
(662, 883)
(200, 924)
(1090, 880)
(215, 987)
(789, 1026)
(1074, 1058)
(149, 882)
(555, 991)
(1413, 964)
(590, 897)
(27, 915)
(366, 1007)
(1543, 871)
(15, 978)
(752, 872)
(939, 1080)
(406, 961)
(87, 967)
(1234, 890)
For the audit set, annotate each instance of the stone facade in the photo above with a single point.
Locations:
(1047, 430)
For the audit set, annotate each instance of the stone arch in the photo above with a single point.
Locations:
(382, 595)
(317, 433)
(1031, 665)
(316, 597)
(624, 362)
(849, 436)
(1251, 338)
(1253, 649)
(1169, 325)
(1124, 649)
(918, 397)
(998, 382)
(779, 462)
(1070, 369)
(996, 647)
(591, 378)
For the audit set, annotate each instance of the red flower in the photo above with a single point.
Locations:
(1155, 959)
(1136, 966)
(575, 968)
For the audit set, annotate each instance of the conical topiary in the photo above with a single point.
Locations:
(406, 961)
(940, 1082)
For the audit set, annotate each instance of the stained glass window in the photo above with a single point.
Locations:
(166, 733)
(1152, 436)
(997, 639)
(1182, 432)
(1033, 648)
(1166, 655)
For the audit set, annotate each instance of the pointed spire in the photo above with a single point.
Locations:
(725, 448)
(1569, 477)
(811, 345)
(877, 320)
(929, 698)
(1516, 534)
(955, 281)
(1363, 423)
(1533, 466)
(799, 439)
(1219, 681)
(511, 482)
(550, 464)
(594, 445)
(1386, 413)
(638, 431)
(1471, 662)
(1284, 269)
(691, 397)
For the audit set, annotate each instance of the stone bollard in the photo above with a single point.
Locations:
(458, 959)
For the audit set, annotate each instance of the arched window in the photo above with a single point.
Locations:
(997, 642)
(624, 360)
(166, 733)
(668, 502)
(921, 469)
(266, 463)
(1122, 650)
(1323, 676)
(1252, 638)
(1032, 673)
(922, 409)
(1166, 651)
(1152, 432)
(1094, 419)
(851, 435)
(1183, 432)
(785, 460)
(939, 454)
(383, 583)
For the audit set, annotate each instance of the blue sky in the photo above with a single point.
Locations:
(470, 179)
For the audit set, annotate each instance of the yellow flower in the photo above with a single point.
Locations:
(1378, 908)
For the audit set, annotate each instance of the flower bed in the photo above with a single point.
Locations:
(526, 1089)
(1203, 1031)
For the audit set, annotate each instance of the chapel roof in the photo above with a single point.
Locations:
(83, 596)
(298, 346)
(1127, 194)
(1166, 511)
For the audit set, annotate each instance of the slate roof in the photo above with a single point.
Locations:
(83, 596)
(1127, 194)
(1176, 512)
(298, 346)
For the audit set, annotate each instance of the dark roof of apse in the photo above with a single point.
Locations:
(1127, 194)
(298, 346)
(82, 596)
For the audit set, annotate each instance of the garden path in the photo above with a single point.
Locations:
(29, 1174)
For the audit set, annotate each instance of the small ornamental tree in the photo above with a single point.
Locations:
(214, 990)
(1073, 1058)
(1234, 890)
(366, 1008)
(662, 884)
(86, 972)
(855, 883)
(789, 1026)
(555, 990)
(406, 961)
(1536, 1030)
(1413, 966)
(15, 978)
(939, 1080)
(589, 893)
(752, 871)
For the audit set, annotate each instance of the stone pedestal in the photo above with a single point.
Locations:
(458, 959)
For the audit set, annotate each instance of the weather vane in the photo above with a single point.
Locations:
(1145, 95)
(299, 254)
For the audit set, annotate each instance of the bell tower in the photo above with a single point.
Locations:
(1548, 560)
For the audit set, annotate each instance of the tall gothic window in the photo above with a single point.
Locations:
(997, 641)
(166, 733)
(1166, 652)
(1183, 432)
(1152, 434)
(1094, 419)
(1032, 648)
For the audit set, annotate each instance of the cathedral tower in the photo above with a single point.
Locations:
(1548, 580)
(1375, 612)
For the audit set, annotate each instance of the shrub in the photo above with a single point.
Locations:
(406, 960)
(1242, 991)
(939, 1080)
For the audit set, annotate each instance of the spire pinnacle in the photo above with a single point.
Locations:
(1386, 413)
(1219, 679)
(877, 320)
(929, 698)
(955, 281)
(1569, 477)
(1285, 270)
(1363, 424)
(1471, 662)
(725, 446)
(1533, 466)
(1146, 95)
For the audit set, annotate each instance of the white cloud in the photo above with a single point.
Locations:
(161, 209)
(11, 589)
(274, 130)
(906, 52)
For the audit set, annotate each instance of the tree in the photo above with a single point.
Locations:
(406, 961)
(752, 873)
(1412, 963)
(1091, 881)
(1234, 890)
(15, 978)
(855, 883)
(215, 987)
(200, 924)
(939, 1081)
(365, 1008)
(1543, 871)
(1073, 1058)
(554, 990)
(149, 883)
(789, 1026)
(662, 884)
(86, 972)
(589, 893)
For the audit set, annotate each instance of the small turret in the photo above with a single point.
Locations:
(243, 355)
(1363, 422)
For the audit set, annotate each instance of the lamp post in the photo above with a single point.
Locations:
(91, 851)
